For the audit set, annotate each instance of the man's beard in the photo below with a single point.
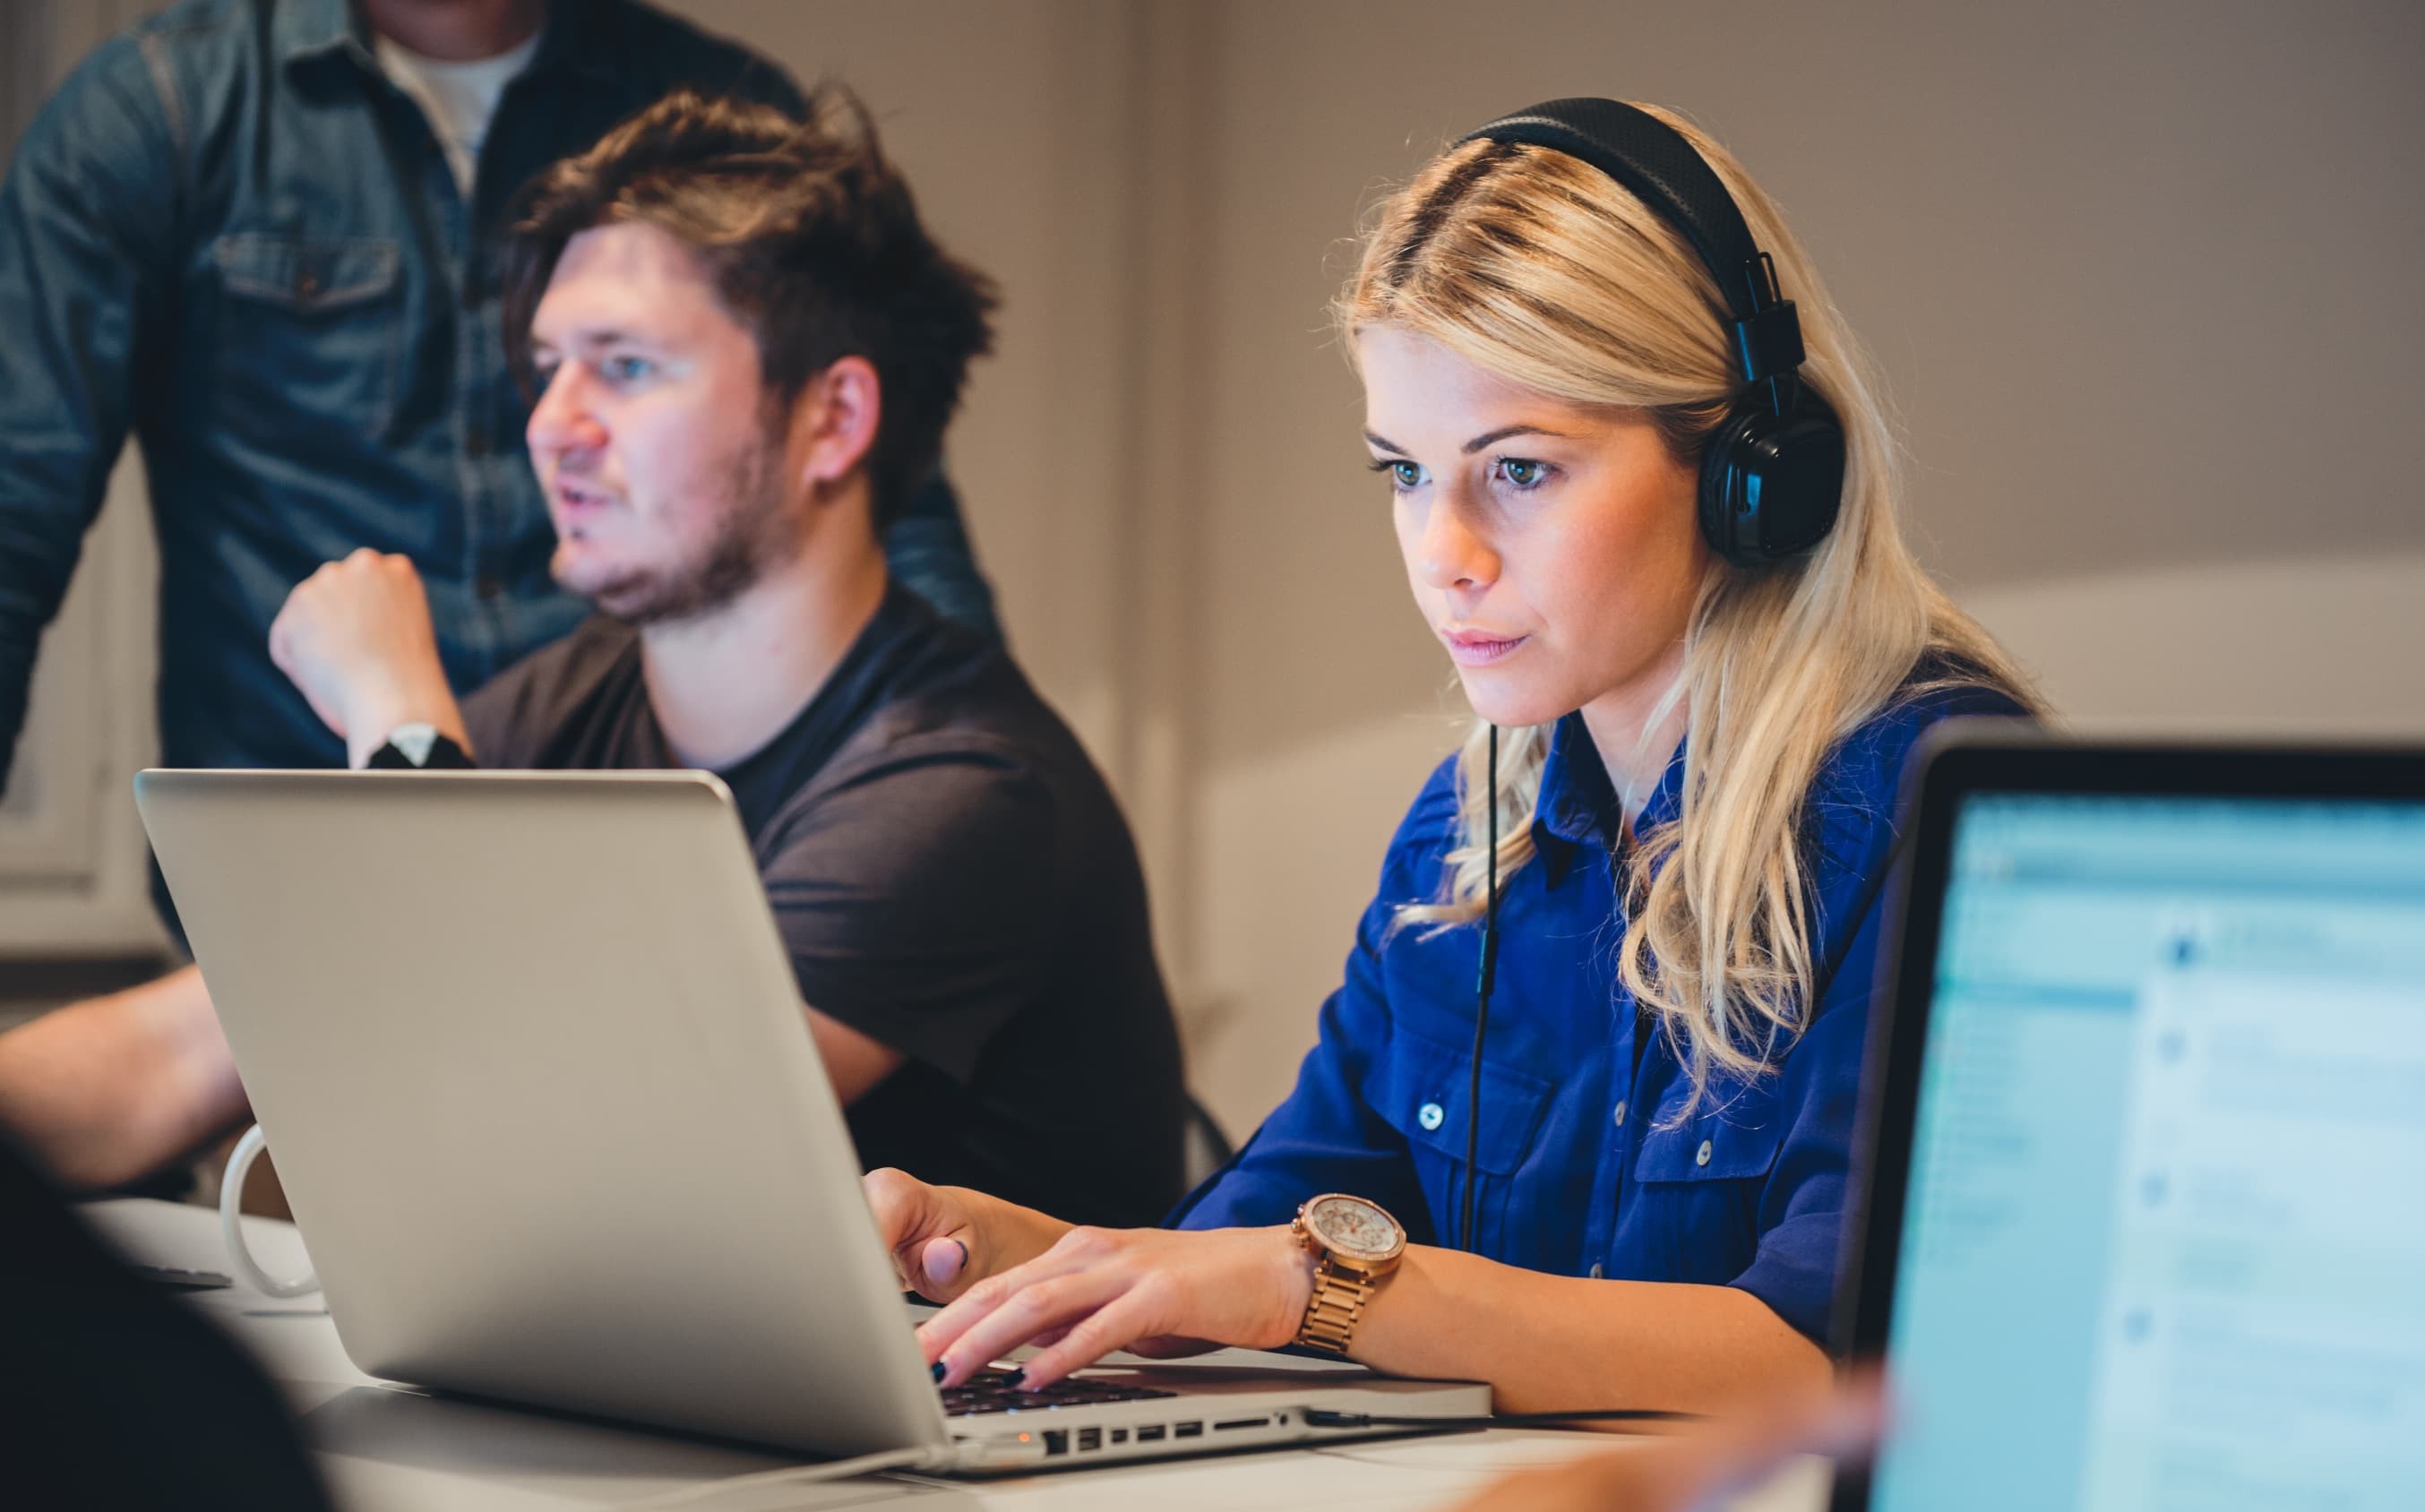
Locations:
(752, 531)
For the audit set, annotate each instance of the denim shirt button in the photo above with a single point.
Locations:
(1596, 1271)
(1429, 1116)
(1701, 1156)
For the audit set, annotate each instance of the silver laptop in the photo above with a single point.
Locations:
(530, 1056)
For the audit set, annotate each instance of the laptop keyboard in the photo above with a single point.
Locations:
(990, 1391)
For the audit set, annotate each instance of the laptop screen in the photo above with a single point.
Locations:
(2164, 1241)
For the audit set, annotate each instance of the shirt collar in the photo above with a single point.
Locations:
(1579, 805)
(307, 31)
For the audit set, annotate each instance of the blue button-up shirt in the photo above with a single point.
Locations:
(1586, 1166)
(230, 234)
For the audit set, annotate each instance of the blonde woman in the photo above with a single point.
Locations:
(1699, 729)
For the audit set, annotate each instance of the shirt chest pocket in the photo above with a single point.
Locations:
(1424, 1090)
(311, 335)
(1694, 1209)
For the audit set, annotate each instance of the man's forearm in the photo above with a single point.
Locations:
(110, 1089)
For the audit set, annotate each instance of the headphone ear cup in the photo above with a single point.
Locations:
(1771, 488)
(1727, 519)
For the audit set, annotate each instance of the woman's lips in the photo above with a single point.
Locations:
(1480, 648)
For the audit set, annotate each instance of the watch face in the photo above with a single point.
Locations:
(1352, 1227)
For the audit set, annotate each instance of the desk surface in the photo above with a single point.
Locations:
(383, 1449)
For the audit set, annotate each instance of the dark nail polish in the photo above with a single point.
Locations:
(1016, 1377)
(940, 1371)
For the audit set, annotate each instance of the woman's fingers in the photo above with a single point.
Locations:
(1075, 1250)
(931, 1234)
(1021, 1315)
(1106, 1290)
(897, 1201)
(941, 1263)
(1131, 1316)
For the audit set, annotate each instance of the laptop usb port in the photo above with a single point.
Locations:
(1119, 1436)
(1187, 1430)
(1056, 1442)
(1150, 1433)
(1089, 1439)
(1240, 1422)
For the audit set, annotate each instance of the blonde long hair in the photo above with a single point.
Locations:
(1539, 268)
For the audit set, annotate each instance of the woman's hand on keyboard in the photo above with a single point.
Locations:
(1151, 1291)
(945, 1239)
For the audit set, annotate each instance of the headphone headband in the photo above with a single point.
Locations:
(1650, 157)
(1772, 482)
(1666, 173)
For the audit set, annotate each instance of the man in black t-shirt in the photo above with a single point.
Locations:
(748, 348)
(958, 893)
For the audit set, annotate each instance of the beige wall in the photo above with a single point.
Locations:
(2139, 276)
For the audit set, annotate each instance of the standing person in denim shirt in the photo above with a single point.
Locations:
(261, 235)
(1697, 751)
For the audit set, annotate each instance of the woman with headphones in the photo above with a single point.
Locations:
(1649, 507)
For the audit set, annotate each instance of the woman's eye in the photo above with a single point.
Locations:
(626, 369)
(1522, 472)
(1405, 477)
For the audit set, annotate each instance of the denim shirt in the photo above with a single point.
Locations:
(230, 234)
(1587, 1164)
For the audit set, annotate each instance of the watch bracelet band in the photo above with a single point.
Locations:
(1331, 1312)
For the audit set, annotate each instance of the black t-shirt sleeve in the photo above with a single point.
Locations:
(915, 896)
(505, 715)
(490, 717)
(565, 706)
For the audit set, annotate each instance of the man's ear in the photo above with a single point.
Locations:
(834, 423)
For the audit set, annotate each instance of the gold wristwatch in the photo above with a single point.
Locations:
(1354, 1246)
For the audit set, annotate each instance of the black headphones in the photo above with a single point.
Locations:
(1773, 473)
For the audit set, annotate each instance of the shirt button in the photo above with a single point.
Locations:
(1596, 1273)
(1701, 1156)
(488, 586)
(1429, 1116)
(1620, 1115)
(306, 285)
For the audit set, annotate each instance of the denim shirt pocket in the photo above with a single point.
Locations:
(311, 329)
(1424, 1089)
(1697, 1186)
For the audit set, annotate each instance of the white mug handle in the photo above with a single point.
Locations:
(239, 1164)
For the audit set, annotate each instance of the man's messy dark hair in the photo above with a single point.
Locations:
(811, 240)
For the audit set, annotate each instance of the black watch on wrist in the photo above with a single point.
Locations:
(417, 747)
